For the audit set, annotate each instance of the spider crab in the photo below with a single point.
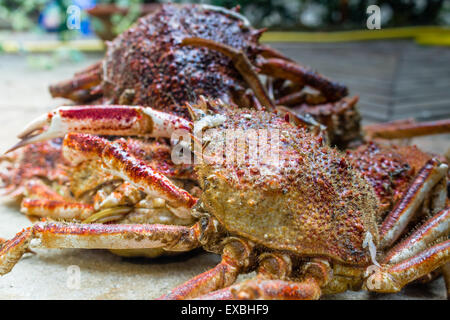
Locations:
(306, 223)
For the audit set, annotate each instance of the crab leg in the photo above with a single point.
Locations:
(269, 52)
(272, 266)
(93, 67)
(56, 209)
(269, 289)
(397, 220)
(308, 289)
(240, 62)
(235, 257)
(435, 228)
(117, 161)
(292, 99)
(392, 278)
(281, 68)
(98, 236)
(83, 80)
(37, 189)
(407, 129)
(102, 120)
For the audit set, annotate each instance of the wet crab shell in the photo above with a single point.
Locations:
(311, 202)
(148, 65)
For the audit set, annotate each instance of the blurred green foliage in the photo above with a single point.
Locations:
(338, 14)
(120, 22)
(20, 14)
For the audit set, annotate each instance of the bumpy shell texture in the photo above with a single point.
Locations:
(310, 202)
(148, 61)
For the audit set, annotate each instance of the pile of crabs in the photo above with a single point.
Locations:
(340, 209)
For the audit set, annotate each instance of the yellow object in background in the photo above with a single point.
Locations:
(423, 35)
(426, 35)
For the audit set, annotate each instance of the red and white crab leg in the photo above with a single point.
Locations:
(392, 278)
(436, 227)
(102, 120)
(98, 236)
(42, 201)
(272, 283)
(56, 209)
(117, 161)
(234, 258)
(37, 189)
(397, 220)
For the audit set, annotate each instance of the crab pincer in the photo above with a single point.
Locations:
(102, 120)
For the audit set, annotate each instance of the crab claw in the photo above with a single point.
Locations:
(101, 120)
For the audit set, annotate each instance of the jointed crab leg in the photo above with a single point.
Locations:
(37, 189)
(268, 290)
(435, 228)
(407, 129)
(99, 236)
(281, 68)
(57, 209)
(308, 289)
(83, 80)
(235, 257)
(399, 217)
(391, 278)
(103, 120)
(119, 162)
(92, 68)
(241, 63)
(269, 52)
(264, 286)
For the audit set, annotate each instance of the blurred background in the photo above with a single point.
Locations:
(116, 16)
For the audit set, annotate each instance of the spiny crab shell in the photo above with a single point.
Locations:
(148, 63)
(310, 202)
